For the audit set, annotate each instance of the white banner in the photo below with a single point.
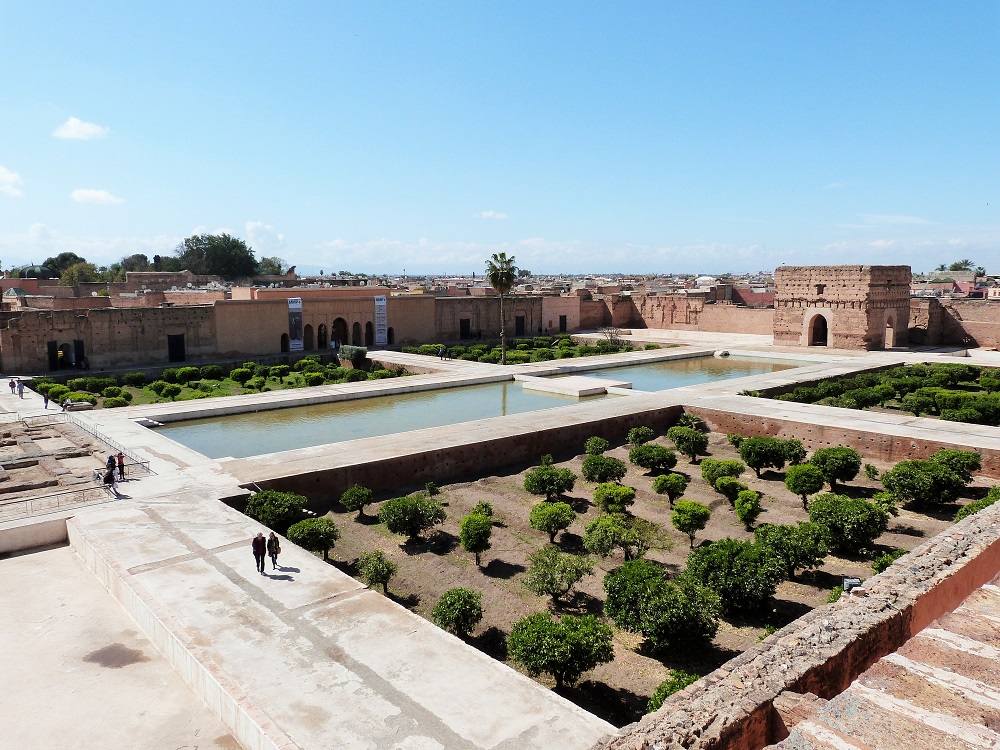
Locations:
(381, 327)
(295, 324)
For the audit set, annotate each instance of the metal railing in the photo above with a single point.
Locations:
(133, 459)
(40, 504)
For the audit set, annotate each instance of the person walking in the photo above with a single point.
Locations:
(45, 399)
(121, 465)
(273, 550)
(259, 546)
(20, 389)
(110, 463)
(13, 386)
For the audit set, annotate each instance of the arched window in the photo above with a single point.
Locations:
(369, 334)
(390, 336)
(308, 342)
(321, 342)
(818, 332)
(356, 334)
(284, 342)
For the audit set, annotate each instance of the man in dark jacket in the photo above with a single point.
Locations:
(259, 545)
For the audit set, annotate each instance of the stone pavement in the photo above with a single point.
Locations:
(78, 673)
(940, 690)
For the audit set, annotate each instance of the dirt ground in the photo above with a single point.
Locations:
(617, 691)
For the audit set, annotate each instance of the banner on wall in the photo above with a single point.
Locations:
(381, 329)
(295, 324)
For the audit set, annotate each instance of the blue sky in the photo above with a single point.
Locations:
(626, 137)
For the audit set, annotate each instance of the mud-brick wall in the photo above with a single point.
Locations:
(471, 460)
(683, 312)
(870, 445)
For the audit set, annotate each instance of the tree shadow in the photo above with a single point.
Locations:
(501, 569)
(366, 520)
(578, 504)
(580, 603)
(616, 705)
(570, 542)
(350, 567)
(492, 641)
(438, 543)
(695, 661)
(821, 579)
(410, 601)
(944, 512)
(779, 613)
(907, 530)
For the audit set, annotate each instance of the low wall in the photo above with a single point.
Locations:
(31, 533)
(870, 444)
(823, 651)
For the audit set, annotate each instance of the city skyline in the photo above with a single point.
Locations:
(579, 139)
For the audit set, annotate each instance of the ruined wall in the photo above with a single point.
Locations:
(483, 314)
(553, 307)
(957, 322)
(112, 337)
(594, 314)
(858, 303)
(693, 312)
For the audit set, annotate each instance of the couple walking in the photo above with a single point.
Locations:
(261, 547)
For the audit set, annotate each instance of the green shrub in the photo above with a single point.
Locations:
(280, 372)
(171, 391)
(313, 379)
(640, 435)
(689, 517)
(261, 371)
(211, 372)
(134, 379)
(77, 384)
(763, 453)
(169, 375)
(883, 561)
(518, 357)
(747, 506)
(256, 384)
(745, 575)
(381, 374)
(356, 498)
(677, 681)
(458, 610)
(187, 374)
(650, 347)
(114, 402)
(713, 469)
(376, 569)
(849, 525)
(276, 510)
(974, 507)
(356, 376)
(483, 508)
(157, 386)
(804, 480)
(729, 488)
(688, 441)
(564, 649)
(923, 483)
(57, 393)
(113, 391)
(551, 518)
(474, 534)
(672, 485)
(315, 535)
(653, 458)
(356, 355)
(613, 498)
(962, 463)
(411, 515)
(596, 446)
(969, 416)
(240, 375)
(800, 546)
(411, 350)
(603, 469)
(550, 481)
(553, 573)
(837, 464)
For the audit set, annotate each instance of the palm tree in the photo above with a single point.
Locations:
(501, 273)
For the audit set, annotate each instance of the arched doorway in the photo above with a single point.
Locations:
(369, 334)
(356, 334)
(390, 336)
(890, 334)
(308, 342)
(321, 341)
(340, 331)
(284, 342)
(818, 332)
(66, 356)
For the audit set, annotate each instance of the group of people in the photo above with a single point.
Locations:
(263, 548)
(114, 471)
(16, 386)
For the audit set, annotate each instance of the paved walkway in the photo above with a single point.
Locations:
(79, 674)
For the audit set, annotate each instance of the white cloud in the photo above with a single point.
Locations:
(86, 195)
(75, 129)
(264, 240)
(492, 215)
(39, 241)
(10, 182)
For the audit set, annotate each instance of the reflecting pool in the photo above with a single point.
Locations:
(659, 376)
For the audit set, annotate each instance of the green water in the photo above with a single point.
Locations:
(659, 376)
(240, 435)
